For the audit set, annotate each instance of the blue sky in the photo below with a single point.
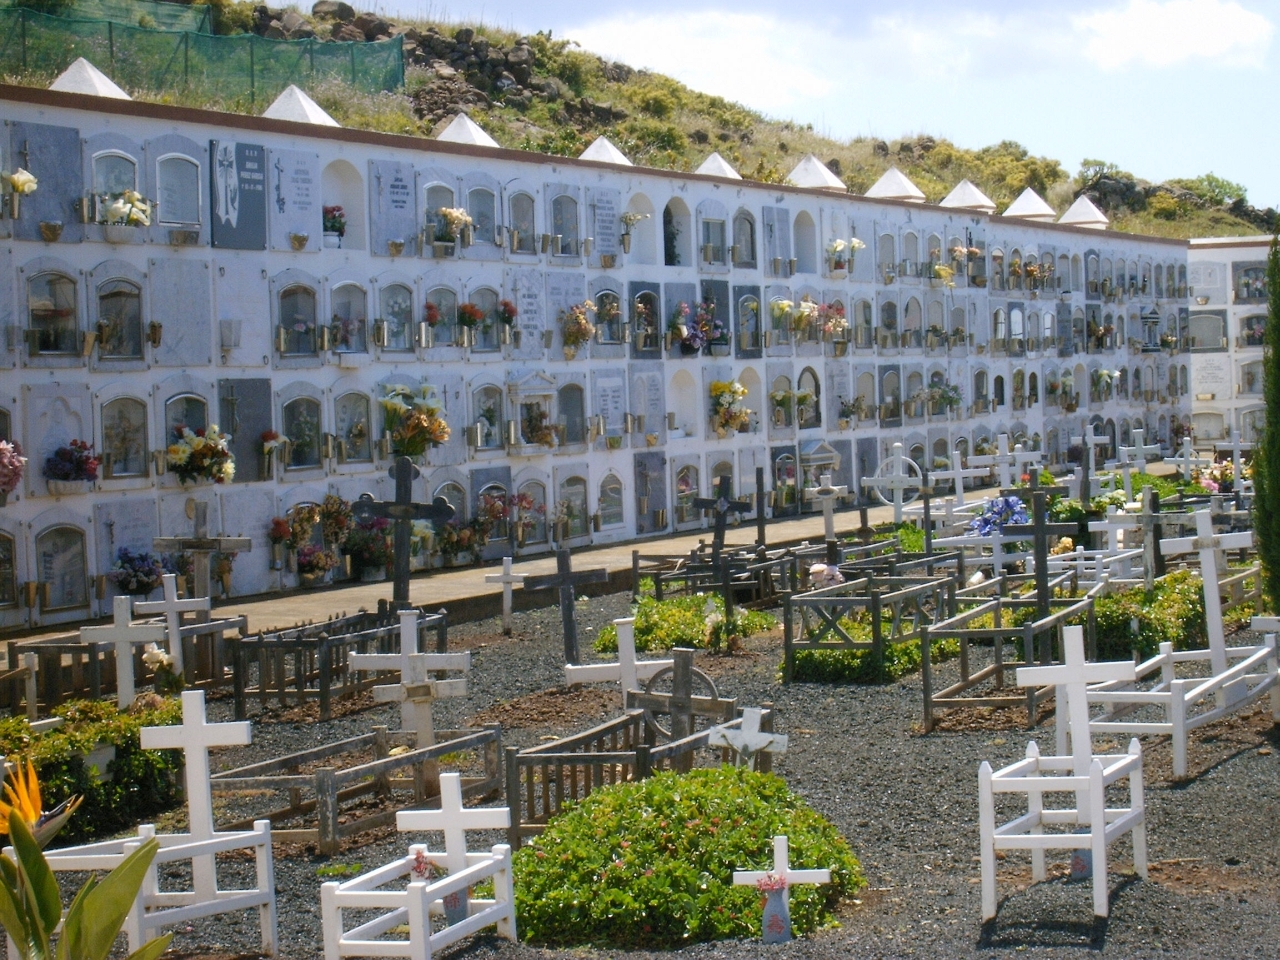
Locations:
(1163, 88)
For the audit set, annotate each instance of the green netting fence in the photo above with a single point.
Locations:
(152, 14)
(243, 67)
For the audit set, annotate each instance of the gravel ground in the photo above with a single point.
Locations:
(907, 804)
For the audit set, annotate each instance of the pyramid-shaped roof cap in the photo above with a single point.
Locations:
(296, 106)
(966, 196)
(717, 166)
(602, 150)
(812, 172)
(83, 77)
(462, 129)
(1083, 213)
(894, 185)
(1031, 206)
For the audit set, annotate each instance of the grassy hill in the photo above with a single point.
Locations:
(559, 98)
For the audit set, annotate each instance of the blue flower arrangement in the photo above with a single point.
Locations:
(998, 512)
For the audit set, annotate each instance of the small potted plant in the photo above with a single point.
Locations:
(576, 327)
(12, 466)
(125, 212)
(314, 563)
(136, 574)
(367, 546)
(71, 469)
(335, 227)
(278, 533)
(452, 224)
(507, 314)
(164, 679)
(271, 442)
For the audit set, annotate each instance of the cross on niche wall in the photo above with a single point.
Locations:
(565, 579)
(402, 512)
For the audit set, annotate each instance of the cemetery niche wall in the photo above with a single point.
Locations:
(572, 357)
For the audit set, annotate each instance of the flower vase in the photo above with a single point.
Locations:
(373, 574)
(332, 240)
(63, 488)
(119, 232)
(721, 432)
(570, 352)
(626, 242)
(687, 350)
(225, 581)
(776, 923)
(309, 581)
(277, 556)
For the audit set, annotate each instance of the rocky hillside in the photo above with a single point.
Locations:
(540, 93)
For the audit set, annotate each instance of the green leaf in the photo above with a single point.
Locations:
(152, 948)
(47, 901)
(102, 911)
(12, 917)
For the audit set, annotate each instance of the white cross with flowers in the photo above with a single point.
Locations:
(1186, 461)
(172, 609)
(124, 633)
(779, 878)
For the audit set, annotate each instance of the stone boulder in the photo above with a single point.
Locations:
(371, 25)
(347, 33)
(333, 10)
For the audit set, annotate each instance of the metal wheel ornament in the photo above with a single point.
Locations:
(661, 683)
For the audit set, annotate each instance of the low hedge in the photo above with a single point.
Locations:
(681, 622)
(1171, 613)
(650, 864)
(141, 782)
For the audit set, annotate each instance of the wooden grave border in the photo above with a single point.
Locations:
(311, 662)
(1042, 635)
(906, 600)
(331, 786)
(541, 780)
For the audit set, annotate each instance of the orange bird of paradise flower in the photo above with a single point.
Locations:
(23, 796)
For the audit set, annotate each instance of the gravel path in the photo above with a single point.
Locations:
(908, 806)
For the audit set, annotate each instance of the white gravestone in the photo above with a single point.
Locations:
(780, 872)
(826, 495)
(1186, 461)
(508, 580)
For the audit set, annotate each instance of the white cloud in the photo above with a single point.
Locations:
(1153, 34)
(734, 55)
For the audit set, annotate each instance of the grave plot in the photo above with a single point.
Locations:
(993, 623)
(88, 666)
(1191, 688)
(665, 726)
(868, 613)
(312, 661)
(320, 780)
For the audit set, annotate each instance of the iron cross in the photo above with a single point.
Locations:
(721, 504)
(565, 579)
(402, 512)
(1041, 530)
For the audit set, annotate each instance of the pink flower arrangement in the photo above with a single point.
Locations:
(12, 465)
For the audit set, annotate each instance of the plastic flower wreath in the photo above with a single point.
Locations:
(999, 512)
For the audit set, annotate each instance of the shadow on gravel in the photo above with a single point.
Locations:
(1088, 934)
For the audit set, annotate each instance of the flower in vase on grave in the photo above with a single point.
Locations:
(999, 512)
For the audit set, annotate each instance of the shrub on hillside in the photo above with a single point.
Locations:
(649, 864)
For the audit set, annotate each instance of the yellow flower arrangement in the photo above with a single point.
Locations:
(201, 455)
(414, 419)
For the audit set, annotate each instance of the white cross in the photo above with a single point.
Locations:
(1207, 544)
(748, 739)
(957, 475)
(1093, 440)
(125, 635)
(507, 579)
(781, 870)
(1126, 465)
(628, 672)
(826, 495)
(1116, 527)
(1140, 451)
(899, 479)
(172, 609)
(1002, 460)
(1238, 448)
(1070, 680)
(414, 692)
(453, 820)
(194, 737)
(1187, 460)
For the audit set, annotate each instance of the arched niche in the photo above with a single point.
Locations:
(644, 232)
(683, 396)
(677, 234)
(342, 186)
(806, 243)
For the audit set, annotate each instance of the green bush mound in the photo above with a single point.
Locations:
(682, 622)
(1171, 613)
(649, 864)
(859, 666)
(141, 783)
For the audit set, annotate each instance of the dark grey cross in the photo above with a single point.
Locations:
(681, 705)
(926, 498)
(721, 504)
(1089, 442)
(1040, 530)
(402, 512)
(565, 578)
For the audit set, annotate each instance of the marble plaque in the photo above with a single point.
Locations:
(248, 513)
(650, 488)
(393, 212)
(244, 411)
(182, 300)
(526, 287)
(130, 523)
(604, 206)
(52, 155)
(238, 176)
(609, 398)
(243, 305)
(296, 205)
(55, 414)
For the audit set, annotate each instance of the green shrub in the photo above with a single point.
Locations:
(1171, 613)
(142, 782)
(680, 622)
(649, 864)
(858, 666)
